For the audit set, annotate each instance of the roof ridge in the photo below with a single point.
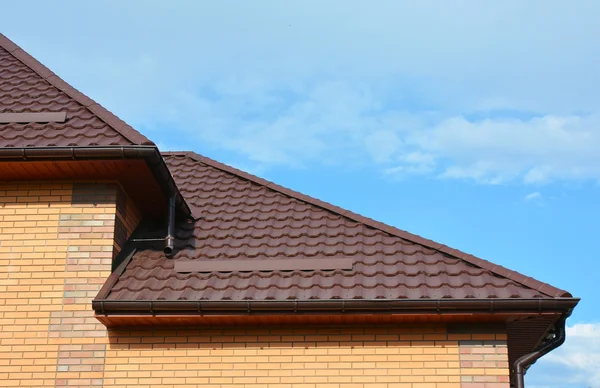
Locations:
(471, 259)
(118, 125)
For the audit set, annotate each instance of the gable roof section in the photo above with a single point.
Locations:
(28, 86)
(243, 217)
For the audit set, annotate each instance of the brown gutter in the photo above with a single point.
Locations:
(522, 363)
(336, 306)
(150, 154)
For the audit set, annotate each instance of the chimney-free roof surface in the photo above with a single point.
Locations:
(27, 86)
(245, 218)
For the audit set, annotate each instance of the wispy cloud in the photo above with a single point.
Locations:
(533, 151)
(533, 197)
(340, 124)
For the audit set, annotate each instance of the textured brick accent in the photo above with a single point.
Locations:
(484, 361)
(88, 226)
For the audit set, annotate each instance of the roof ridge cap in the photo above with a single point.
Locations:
(499, 270)
(114, 122)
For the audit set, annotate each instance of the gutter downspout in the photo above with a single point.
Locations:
(170, 239)
(525, 361)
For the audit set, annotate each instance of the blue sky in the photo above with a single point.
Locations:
(476, 124)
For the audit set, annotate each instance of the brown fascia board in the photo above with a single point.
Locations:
(103, 307)
(102, 113)
(527, 281)
(150, 154)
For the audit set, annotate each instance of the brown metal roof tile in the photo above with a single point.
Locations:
(28, 86)
(248, 218)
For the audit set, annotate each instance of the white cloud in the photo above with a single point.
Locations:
(336, 123)
(534, 151)
(575, 364)
(531, 197)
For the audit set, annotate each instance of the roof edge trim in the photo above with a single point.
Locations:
(336, 306)
(114, 276)
(515, 276)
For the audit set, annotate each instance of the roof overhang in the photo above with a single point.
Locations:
(65, 156)
(487, 322)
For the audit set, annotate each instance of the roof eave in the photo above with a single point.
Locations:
(149, 153)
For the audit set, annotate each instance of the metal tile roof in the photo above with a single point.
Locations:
(243, 217)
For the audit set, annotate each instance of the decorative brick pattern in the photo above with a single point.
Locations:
(89, 227)
(484, 361)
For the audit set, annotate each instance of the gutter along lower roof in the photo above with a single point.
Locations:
(336, 306)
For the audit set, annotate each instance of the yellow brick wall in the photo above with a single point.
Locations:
(56, 251)
(309, 357)
(56, 248)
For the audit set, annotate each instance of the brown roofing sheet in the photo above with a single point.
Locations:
(28, 86)
(247, 218)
